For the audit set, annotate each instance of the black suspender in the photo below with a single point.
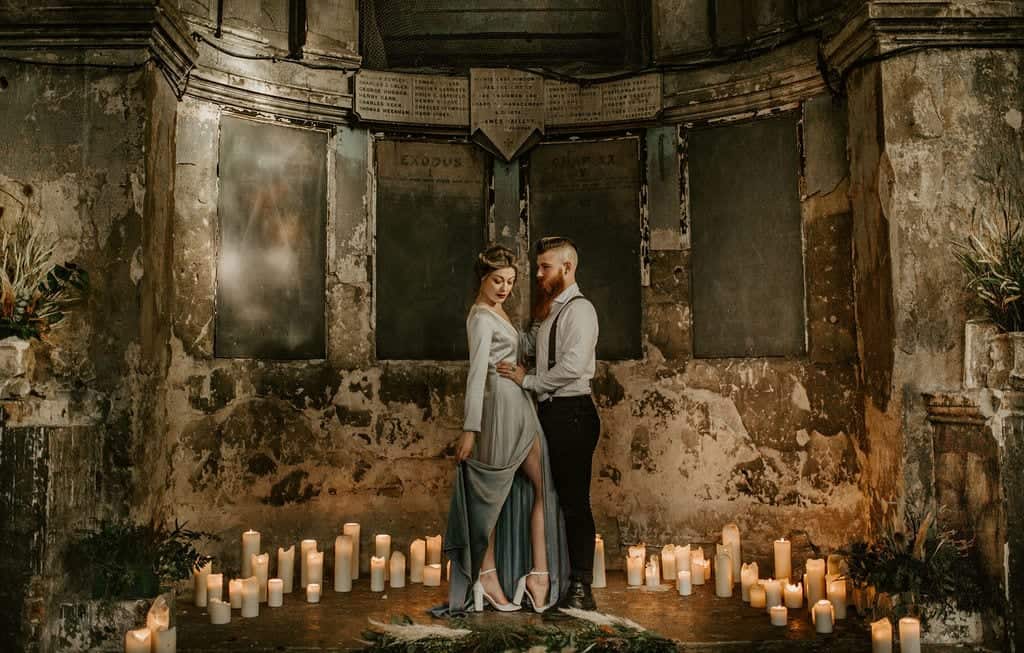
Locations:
(554, 328)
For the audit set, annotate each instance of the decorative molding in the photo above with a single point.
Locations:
(953, 408)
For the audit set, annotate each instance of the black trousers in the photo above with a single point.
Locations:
(572, 427)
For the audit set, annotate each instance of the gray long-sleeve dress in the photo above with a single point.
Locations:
(488, 492)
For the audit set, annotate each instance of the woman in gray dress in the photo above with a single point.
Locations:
(505, 529)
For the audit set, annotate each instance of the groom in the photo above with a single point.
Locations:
(564, 343)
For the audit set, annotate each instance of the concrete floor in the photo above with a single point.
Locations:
(701, 622)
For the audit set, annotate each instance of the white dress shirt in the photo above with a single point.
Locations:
(575, 343)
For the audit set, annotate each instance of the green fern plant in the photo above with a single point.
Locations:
(993, 259)
(35, 294)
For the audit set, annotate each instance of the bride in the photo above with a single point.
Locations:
(505, 530)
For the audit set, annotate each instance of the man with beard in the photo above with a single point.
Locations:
(564, 337)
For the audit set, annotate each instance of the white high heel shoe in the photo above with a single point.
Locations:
(522, 589)
(479, 595)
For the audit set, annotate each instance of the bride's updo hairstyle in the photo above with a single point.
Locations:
(495, 257)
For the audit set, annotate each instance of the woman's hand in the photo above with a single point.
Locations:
(515, 372)
(465, 446)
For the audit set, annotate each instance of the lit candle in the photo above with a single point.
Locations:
(814, 580)
(352, 530)
(758, 597)
(166, 640)
(159, 615)
(682, 558)
(684, 583)
(638, 551)
(668, 561)
(448, 570)
(260, 565)
(723, 574)
(377, 574)
(881, 636)
(220, 612)
(772, 592)
(286, 568)
(779, 615)
(433, 549)
(313, 593)
(794, 595)
(199, 577)
(305, 548)
(823, 615)
(138, 641)
(315, 567)
(748, 576)
(696, 559)
(432, 575)
(417, 558)
(250, 597)
(382, 549)
(599, 577)
(250, 547)
(782, 549)
(275, 593)
(837, 596)
(397, 570)
(651, 572)
(343, 563)
(707, 570)
(235, 593)
(214, 587)
(634, 567)
(731, 539)
(910, 635)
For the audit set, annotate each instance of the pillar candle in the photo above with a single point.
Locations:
(748, 576)
(823, 615)
(707, 571)
(600, 579)
(214, 587)
(250, 547)
(315, 567)
(305, 548)
(250, 597)
(668, 561)
(731, 539)
(286, 568)
(634, 567)
(794, 596)
(220, 612)
(723, 574)
(448, 570)
(397, 569)
(199, 577)
(432, 575)
(275, 593)
(782, 549)
(260, 565)
(138, 641)
(779, 615)
(159, 615)
(313, 593)
(758, 597)
(814, 580)
(343, 563)
(910, 635)
(382, 549)
(881, 636)
(651, 573)
(352, 530)
(235, 593)
(696, 560)
(698, 572)
(377, 574)
(433, 549)
(772, 592)
(837, 596)
(417, 558)
(684, 583)
(682, 558)
(165, 641)
(638, 551)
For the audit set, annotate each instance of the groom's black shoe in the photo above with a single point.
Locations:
(579, 596)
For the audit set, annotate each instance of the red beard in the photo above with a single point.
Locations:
(545, 295)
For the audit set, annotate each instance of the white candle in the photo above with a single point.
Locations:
(782, 549)
(159, 615)
(794, 598)
(448, 570)
(214, 587)
(651, 574)
(723, 574)
(382, 549)
(731, 539)
(343, 563)
(814, 580)
(313, 593)
(433, 549)
(638, 551)
(165, 641)
(275, 593)
(260, 565)
(199, 584)
(682, 558)
(220, 612)
(599, 577)
(250, 547)
(772, 592)
(748, 576)
(634, 567)
(417, 558)
(696, 560)
(377, 574)
(250, 597)
(235, 593)
(823, 616)
(352, 530)
(910, 635)
(881, 636)
(837, 596)
(758, 597)
(397, 569)
(432, 575)
(315, 567)
(305, 548)
(286, 568)
(779, 615)
(668, 562)
(698, 572)
(684, 583)
(138, 641)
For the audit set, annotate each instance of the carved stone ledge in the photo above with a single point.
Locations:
(953, 408)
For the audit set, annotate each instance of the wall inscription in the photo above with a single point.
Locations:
(412, 99)
(506, 112)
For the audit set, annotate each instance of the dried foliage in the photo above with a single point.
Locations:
(993, 259)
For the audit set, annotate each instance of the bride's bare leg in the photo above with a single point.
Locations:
(490, 581)
(538, 585)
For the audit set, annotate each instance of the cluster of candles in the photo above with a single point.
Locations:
(823, 584)
(158, 636)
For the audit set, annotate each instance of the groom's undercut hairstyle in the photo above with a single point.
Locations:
(565, 245)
